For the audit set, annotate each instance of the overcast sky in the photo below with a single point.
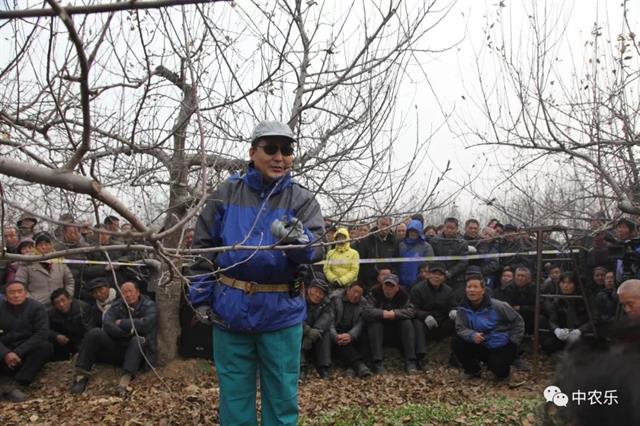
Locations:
(452, 74)
(447, 82)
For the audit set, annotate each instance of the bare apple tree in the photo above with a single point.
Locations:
(142, 108)
(571, 112)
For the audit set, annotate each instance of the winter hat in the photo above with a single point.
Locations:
(42, 237)
(391, 278)
(97, 283)
(23, 242)
(473, 271)
(438, 267)
(320, 284)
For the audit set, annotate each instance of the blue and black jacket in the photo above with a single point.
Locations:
(241, 211)
(496, 320)
(409, 247)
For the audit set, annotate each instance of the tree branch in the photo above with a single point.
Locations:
(100, 8)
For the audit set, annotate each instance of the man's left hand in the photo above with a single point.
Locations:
(314, 334)
(289, 231)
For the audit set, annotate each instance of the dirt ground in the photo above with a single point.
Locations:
(187, 393)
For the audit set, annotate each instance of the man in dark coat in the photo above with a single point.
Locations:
(514, 243)
(69, 321)
(434, 310)
(348, 329)
(24, 348)
(103, 297)
(483, 242)
(127, 338)
(388, 315)
(521, 295)
(568, 318)
(315, 330)
(10, 237)
(450, 244)
(380, 244)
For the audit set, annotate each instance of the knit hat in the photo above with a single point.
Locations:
(42, 237)
(320, 284)
(23, 242)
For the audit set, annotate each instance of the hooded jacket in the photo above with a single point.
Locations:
(410, 247)
(498, 321)
(242, 210)
(345, 272)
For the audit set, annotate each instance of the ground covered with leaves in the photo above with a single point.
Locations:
(187, 394)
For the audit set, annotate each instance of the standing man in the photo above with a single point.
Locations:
(26, 225)
(379, 244)
(258, 309)
(450, 244)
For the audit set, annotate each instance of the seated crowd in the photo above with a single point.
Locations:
(53, 311)
(98, 312)
(485, 305)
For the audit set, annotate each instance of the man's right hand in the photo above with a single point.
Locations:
(478, 338)
(343, 339)
(430, 322)
(561, 333)
(12, 360)
(388, 315)
(62, 339)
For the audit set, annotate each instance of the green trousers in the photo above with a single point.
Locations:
(239, 356)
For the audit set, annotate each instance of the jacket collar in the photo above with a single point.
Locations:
(486, 302)
(433, 287)
(253, 178)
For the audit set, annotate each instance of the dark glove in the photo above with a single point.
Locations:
(204, 314)
(289, 231)
(314, 334)
(307, 344)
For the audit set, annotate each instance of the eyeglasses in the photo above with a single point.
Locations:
(272, 149)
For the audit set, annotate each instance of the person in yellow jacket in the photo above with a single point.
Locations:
(344, 273)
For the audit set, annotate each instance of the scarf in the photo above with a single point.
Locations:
(104, 306)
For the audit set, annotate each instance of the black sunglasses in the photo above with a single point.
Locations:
(272, 149)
